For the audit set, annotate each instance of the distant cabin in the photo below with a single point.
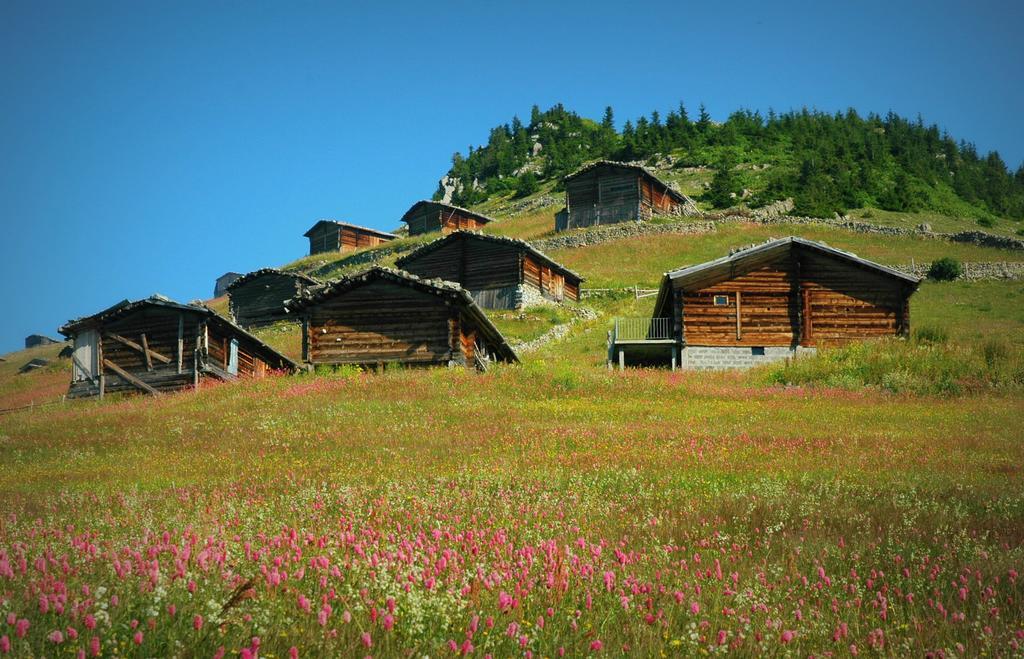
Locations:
(35, 340)
(334, 236)
(225, 280)
(606, 192)
(258, 298)
(431, 216)
(499, 272)
(157, 345)
(384, 316)
(764, 303)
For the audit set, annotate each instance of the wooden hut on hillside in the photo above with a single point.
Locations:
(36, 340)
(334, 236)
(220, 287)
(430, 216)
(764, 303)
(606, 192)
(384, 316)
(499, 272)
(258, 298)
(157, 345)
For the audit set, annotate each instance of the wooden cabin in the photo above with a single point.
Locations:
(499, 272)
(36, 340)
(225, 280)
(769, 302)
(157, 345)
(385, 316)
(258, 298)
(334, 236)
(431, 216)
(606, 192)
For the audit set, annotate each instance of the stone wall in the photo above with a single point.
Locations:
(775, 214)
(972, 271)
(723, 357)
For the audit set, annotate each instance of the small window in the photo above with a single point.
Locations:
(757, 351)
(721, 300)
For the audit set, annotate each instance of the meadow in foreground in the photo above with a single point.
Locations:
(534, 511)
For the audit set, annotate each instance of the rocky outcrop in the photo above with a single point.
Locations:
(973, 270)
(609, 232)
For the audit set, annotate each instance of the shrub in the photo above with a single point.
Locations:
(867, 215)
(527, 185)
(945, 269)
(986, 222)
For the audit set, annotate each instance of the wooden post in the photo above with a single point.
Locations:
(622, 359)
(305, 337)
(99, 363)
(739, 329)
(145, 353)
(673, 357)
(181, 338)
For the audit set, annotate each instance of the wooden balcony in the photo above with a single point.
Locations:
(646, 340)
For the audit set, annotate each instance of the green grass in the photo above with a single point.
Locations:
(527, 324)
(38, 386)
(643, 259)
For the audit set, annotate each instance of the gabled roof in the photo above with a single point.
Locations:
(126, 307)
(382, 234)
(271, 271)
(640, 169)
(476, 235)
(444, 207)
(445, 289)
(710, 273)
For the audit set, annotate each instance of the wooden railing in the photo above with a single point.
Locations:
(643, 329)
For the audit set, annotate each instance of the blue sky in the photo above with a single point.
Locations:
(150, 147)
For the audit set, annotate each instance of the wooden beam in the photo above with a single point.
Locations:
(739, 308)
(130, 378)
(99, 361)
(145, 353)
(135, 346)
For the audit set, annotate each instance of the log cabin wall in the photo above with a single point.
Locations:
(353, 239)
(603, 195)
(804, 298)
(455, 220)
(551, 282)
(324, 238)
(260, 300)
(250, 365)
(654, 199)
(475, 264)
(121, 347)
(378, 323)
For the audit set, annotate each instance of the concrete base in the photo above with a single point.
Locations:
(725, 357)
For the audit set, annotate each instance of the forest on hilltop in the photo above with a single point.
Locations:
(826, 162)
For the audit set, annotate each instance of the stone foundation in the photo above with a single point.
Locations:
(723, 357)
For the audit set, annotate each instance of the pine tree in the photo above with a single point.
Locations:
(608, 122)
(724, 185)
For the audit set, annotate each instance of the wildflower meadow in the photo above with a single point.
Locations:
(531, 511)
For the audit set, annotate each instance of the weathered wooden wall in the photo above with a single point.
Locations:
(446, 220)
(475, 264)
(121, 341)
(804, 298)
(378, 323)
(602, 196)
(260, 301)
(340, 238)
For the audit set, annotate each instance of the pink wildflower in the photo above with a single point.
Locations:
(787, 636)
(137, 639)
(595, 646)
(367, 639)
(694, 608)
(21, 628)
(94, 646)
(56, 637)
(293, 652)
(5, 644)
(90, 621)
(722, 636)
(197, 622)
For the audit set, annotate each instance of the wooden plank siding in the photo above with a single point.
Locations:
(386, 316)
(259, 300)
(608, 192)
(164, 346)
(412, 327)
(491, 267)
(799, 298)
(445, 220)
(328, 236)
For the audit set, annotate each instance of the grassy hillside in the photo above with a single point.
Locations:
(546, 508)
